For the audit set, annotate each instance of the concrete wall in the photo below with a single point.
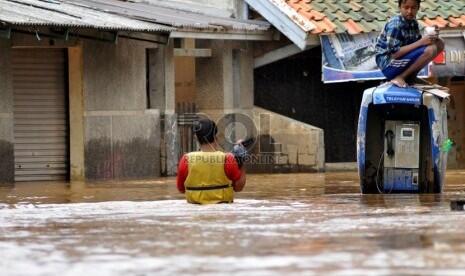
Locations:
(185, 80)
(292, 87)
(243, 52)
(122, 136)
(76, 113)
(210, 81)
(286, 145)
(6, 116)
(162, 89)
(114, 75)
(224, 82)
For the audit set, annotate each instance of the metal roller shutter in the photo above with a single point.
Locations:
(40, 114)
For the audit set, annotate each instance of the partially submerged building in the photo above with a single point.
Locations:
(95, 90)
(88, 87)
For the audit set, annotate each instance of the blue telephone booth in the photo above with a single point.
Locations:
(399, 139)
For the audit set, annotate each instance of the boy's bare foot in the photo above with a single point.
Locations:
(398, 81)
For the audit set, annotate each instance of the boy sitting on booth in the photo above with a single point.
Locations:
(401, 51)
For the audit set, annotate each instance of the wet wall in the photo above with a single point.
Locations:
(122, 136)
(6, 116)
(122, 147)
(293, 87)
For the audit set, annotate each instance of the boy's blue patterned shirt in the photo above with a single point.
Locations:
(397, 32)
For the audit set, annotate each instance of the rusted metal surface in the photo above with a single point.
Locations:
(182, 16)
(118, 15)
(66, 14)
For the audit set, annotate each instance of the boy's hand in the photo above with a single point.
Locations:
(433, 38)
(427, 40)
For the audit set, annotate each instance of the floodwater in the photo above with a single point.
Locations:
(290, 224)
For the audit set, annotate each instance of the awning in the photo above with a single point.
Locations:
(177, 18)
(62, 14)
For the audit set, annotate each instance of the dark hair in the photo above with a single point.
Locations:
(402, 1)
(205, 130)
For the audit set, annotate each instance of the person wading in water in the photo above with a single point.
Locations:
(209, 176)
(401, 51)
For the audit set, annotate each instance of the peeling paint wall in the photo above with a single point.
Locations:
(122, 136)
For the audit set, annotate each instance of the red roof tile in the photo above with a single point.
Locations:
(458, 21)
(359, 16)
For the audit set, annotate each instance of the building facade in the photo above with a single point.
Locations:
(94, 99)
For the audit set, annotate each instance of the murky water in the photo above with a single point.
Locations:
(298, 224)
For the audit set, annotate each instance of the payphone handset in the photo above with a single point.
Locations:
(389, 135)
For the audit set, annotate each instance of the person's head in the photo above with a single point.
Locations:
(205, 130)
(409, 8)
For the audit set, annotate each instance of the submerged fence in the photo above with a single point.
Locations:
(187, 114)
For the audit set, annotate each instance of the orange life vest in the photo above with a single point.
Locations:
(206, 181)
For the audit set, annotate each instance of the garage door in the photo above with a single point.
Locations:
(40, 114)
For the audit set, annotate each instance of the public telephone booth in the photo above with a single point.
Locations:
(400, 136)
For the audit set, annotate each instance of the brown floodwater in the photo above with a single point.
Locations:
(293, 224)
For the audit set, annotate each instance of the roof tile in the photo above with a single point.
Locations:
(361, 16)
(353, 27)
(326, 26)
(458, 22)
